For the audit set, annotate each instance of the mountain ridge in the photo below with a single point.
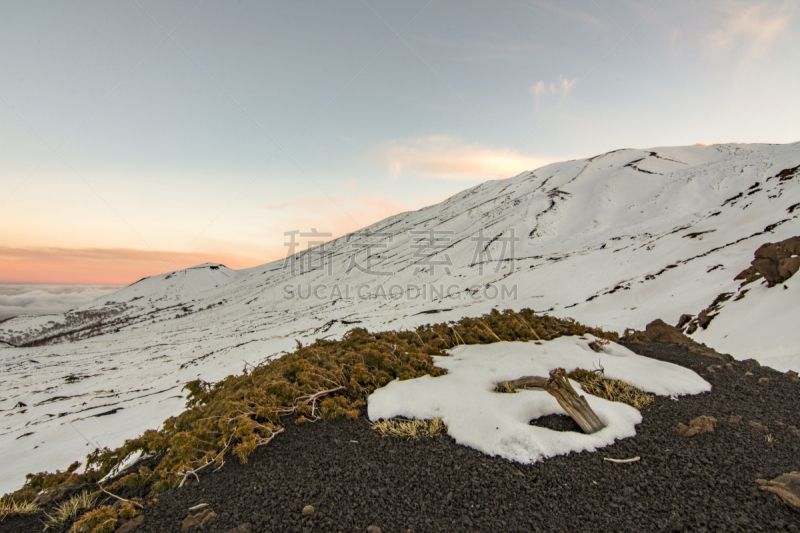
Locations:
(616, 241)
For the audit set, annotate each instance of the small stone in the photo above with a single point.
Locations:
(698, 426)
(794, 430)
(373, 529)
(758, 426)
(308, 510)
(763, 381)
(786, 487)
(200, 519)
(728, 366)
(791, 374)
(751, 362)
(734, 419)
(779, 423)
(748, 373)
(711, 369)
(130, 524)
(189, 521)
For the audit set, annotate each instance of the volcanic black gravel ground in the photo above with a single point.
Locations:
(355, 479)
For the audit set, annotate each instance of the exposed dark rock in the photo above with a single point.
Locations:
(683, 320)
(775, 262)
(707, 315)
(130, 525)
(660, 331)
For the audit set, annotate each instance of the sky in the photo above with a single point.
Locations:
(141, 137)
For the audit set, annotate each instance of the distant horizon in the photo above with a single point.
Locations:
(146, 137)
(155, 264)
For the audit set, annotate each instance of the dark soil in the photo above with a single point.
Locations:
(356, 479)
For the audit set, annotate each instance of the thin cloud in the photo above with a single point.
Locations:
(446, 158)
(747, 29)
(16, 300)
(561, 86)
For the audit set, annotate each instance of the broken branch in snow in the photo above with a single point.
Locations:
(524, 383)
(559, 387)
(576, 406)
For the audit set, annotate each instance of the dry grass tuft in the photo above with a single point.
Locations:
(12, 508)
(70, 509)
(615, 390)
(411, 429)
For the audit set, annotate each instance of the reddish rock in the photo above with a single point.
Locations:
(775, 262)
(130, 525)
(758, 426)
(200, 519)
(698, 426)
(786, 487)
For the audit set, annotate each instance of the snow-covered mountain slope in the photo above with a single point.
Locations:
(615, 240)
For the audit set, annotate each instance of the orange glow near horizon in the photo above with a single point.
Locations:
(104, 266)
(335, 216)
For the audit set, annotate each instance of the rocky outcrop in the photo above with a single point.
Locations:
(775, 262)
(786, 487)
(706, 315)
(660, 331)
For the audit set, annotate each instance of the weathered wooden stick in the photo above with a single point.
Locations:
(576, 406)
(525, 382)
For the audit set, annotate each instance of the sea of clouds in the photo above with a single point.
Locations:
(21, 299)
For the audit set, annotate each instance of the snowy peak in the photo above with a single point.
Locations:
(190, 284)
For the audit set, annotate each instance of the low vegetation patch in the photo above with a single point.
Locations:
(10, 507)
(104, 519)
(327, 379)
(410, 429)
(615, 390)
(70, 509)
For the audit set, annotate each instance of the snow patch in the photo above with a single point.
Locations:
(498, 424)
